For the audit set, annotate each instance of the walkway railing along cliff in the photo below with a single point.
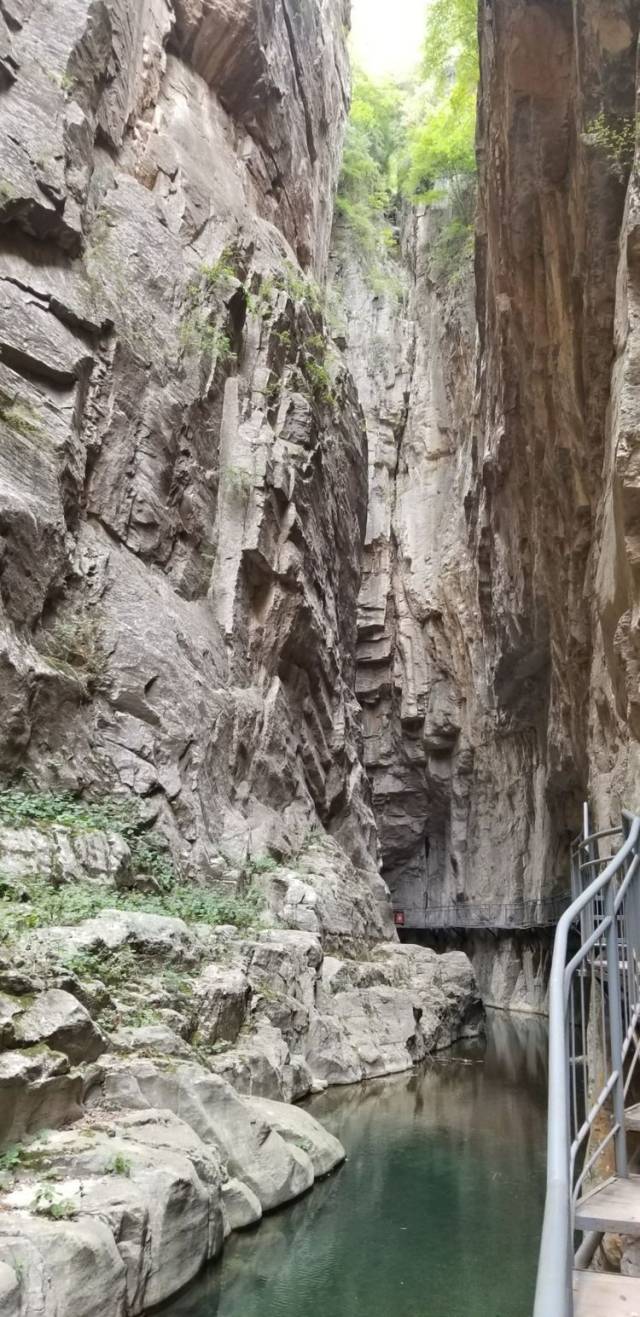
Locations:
(496, 915)
(594, 1014)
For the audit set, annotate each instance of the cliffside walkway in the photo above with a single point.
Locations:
(493, 915)
(594, 1044)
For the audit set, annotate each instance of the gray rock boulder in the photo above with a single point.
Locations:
(249, 1149)
(297, 1126)
(146, 934)
(222, 996)
(149, 1039)
(71, 1267)
(9, 1290)
(60, 1020)
(262, 1065)
(37, 1088)
(60, 854)
(241, 1206)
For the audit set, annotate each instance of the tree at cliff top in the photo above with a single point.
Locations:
(440, 156)
(368, 181)
(415, 140)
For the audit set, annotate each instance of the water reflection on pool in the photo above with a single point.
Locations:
(436, 1212)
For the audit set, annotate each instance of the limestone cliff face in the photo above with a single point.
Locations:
(552, 223)
(497, 614)
(183, 461)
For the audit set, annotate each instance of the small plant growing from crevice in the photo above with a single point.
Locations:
(205, 299)
(238, 480)
(615, 137)
(319, 381)
(19, 416)
(451, 252)
(273, 391)
(263, 298)
(260, 864)
(299, 288)
(11, 1160)
(75, 644)
(20, 1270)
(119, 1165)
(47, 1203)
(220, 274)
(197, 333)
(65, 81)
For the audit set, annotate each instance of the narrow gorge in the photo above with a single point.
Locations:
(318, 596)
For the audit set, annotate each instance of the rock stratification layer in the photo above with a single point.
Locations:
(183, 462)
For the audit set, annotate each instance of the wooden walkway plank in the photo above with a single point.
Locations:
(614, 1206)
(599, 1295)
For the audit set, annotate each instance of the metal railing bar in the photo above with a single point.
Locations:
(593, 1112)
(574, 1088)
(631, 1030)
(613, 1132)
(631, 1067)
(584, 950)
(553, 1288)
(602, 832)
(625, 884)
(586, 1252)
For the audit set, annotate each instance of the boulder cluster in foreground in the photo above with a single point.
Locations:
(148, 1065)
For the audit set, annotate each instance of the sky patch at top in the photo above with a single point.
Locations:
(387, 35)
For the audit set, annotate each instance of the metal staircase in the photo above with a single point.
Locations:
(594, 1043)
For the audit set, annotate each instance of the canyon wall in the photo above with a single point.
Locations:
(183, 460)
(496, 619)
(194, 933)
(552, 223)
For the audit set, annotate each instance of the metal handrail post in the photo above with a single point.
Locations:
(595, 911)
(615, 1030)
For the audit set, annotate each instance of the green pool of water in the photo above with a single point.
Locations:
(436, 1212)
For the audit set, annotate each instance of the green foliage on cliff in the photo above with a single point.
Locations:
(21, 807)
(415, 140)
(41, 905)
(367, 182)
(616, 139)
(440, 142)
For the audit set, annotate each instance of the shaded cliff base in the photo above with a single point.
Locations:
(511, 968)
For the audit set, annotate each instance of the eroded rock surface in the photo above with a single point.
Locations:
(183, 461)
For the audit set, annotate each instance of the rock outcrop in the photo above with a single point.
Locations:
(147, 1064)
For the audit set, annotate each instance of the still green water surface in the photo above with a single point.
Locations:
(436, 1212)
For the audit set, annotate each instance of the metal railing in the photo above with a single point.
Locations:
(594, 1010)
(536, 913)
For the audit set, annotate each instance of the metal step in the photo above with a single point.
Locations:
(596, 1294)
(632, 1118)
(614, 1205)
